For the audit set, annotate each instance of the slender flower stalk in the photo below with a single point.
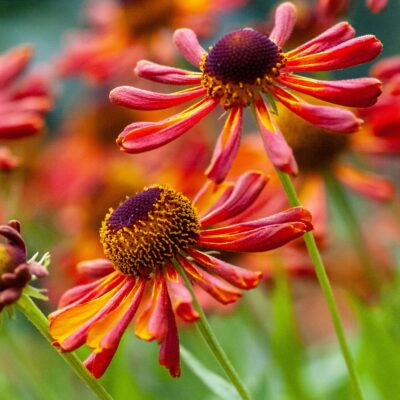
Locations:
(33, 313)
(209, 337)
(347, 213)
(325, 286)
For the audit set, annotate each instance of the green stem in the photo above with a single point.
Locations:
(325, 285)
(348, 216)
(33, 313)
(211, 340)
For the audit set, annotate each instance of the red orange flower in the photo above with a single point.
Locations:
(142, 239)
(23, 101)
(237, 71)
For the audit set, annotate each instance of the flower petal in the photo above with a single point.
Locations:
(285, 19)
(97, 268)
(240, 197)
(220, 290)
(331, 118)
(366, 184)
(16, 125)
(139, 137)
(386, 68)
(169, 355)
(361, 92)
(376, 6)
(348, 54)
(259, 235)
(152, 323)
(82, 293)
(13, 62)
(180, 296)
(333, 36)
(236, 276)
(164, 74)
(69, 329)
(97, 363)
(107, 332)
(226, 147)
(279, 152)
(188, 45)
(139, 99)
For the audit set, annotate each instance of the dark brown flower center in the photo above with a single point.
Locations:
(242, 56)
(149, 229)
(241, 64)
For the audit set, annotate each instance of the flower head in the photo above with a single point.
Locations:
(15, 270)
(246, 67)
(143, 238)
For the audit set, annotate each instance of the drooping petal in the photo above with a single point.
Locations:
(69, 329)
(217, 288)
(386, 68)
(169, 355)
(12, 63)
(259, 235)
(366, 184)
(164, 74)
(348, 54)
(239, 277)
(97, 268)
(139, 137)
(97, 363)
(105, 335)
(279, 152)
(236, 199)
(16, 125)
(107, 332)
(331, 118)
(376, 6)
(226, 147)
(152, 323)
(139, 99)
(76, 293)
(333, 36)
(256, 240)
(82, 293)
(285, 19)
(188, 45)
(181, 298)
(27, 104)
(360, 92)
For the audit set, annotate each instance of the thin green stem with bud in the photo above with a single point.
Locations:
(211, 340)
(325, 285)
(33, 313)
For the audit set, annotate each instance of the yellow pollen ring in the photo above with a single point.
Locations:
(4, 258)
(170, 226)
(239, 93)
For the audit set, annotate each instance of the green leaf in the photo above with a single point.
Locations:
(218, 385)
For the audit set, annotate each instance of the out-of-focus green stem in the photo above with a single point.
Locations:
(211, 340)
(33, 313)
(325, 285)
(350, 220)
